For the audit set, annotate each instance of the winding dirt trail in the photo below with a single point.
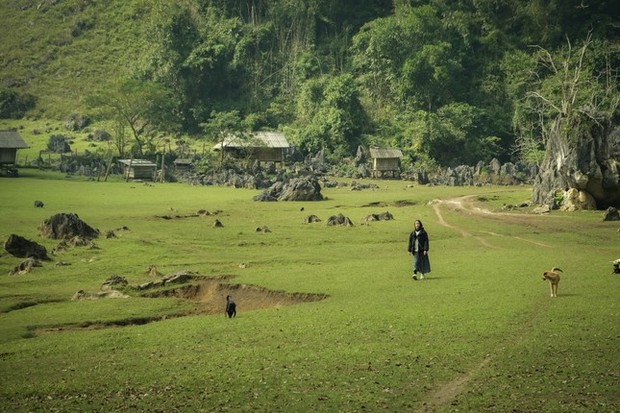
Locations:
(466, 205)
(444, 395)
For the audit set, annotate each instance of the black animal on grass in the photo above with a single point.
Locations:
(231, 307)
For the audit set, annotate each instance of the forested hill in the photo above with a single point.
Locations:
(447, 81)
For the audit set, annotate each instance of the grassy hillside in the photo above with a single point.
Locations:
(60, 51)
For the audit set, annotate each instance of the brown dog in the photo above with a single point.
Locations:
(554, 280)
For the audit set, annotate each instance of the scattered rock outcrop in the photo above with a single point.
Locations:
(339, 220)
(26, 266)
(152, 271)
(21, 247)
(114, 281)
(66, 226)
(311, 218)
(611, 214)
(90, 295)
(179, 277)
(383, 216)
(306, 188)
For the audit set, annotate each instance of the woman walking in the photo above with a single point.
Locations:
(418, 247)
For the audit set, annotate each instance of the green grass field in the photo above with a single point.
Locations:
(480, 334)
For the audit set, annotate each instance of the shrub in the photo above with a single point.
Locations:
(14, 105)
(100, 135)
(58, 144)
(77, 122)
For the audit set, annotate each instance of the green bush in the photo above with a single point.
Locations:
(13, 105)
(58, 144)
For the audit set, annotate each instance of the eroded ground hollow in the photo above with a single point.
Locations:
(210, 296)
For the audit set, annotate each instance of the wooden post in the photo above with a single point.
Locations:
(108, 167)
(128, 171)
(163, 165)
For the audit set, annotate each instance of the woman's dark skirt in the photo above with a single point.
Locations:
(421, 263)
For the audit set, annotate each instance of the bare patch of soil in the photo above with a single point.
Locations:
(466, 205)
(210, 296)
(399, 203)
(445, 394)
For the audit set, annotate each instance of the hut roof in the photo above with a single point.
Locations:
(261, 139)
(10, 139)
(137, 162)
(383, 153)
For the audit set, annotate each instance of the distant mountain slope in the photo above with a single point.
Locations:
(61, 51)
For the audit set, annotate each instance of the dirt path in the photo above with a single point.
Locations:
(444, 395)
(466, 205)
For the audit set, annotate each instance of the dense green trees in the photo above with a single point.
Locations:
(145, 107)
(575, 86)
(447, 81)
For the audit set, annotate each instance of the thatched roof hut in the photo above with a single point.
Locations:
(261, 146)
(138, 168)
(10, 142)
(385, 161)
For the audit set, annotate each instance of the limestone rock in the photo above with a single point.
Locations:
(21, 247)
(611, 214)
(67, 226)
(586, 158)
(576, 200)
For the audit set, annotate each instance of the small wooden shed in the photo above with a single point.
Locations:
(183, 164)
(138, 168)
(385, 162)
(261, 146)
(10, 142)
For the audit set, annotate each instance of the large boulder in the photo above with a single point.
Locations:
(67, 226)
(611, 214)
(21, 247)
(306, 188)
(270, 194)
(576, 200)
(583, 155)
(302, 189)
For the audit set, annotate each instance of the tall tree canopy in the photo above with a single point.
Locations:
(447, 81)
